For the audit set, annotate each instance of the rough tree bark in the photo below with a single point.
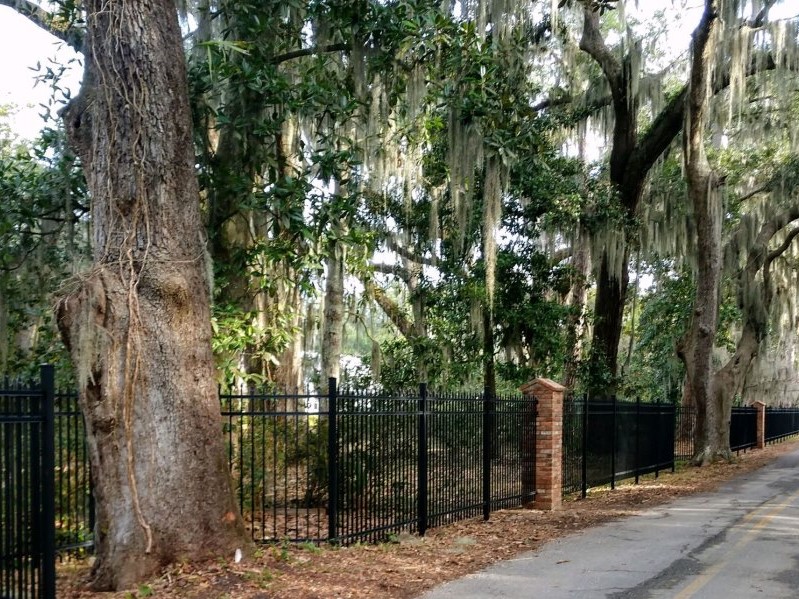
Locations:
(138, 323)
(333, 322)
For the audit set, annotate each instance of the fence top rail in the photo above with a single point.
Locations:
(272, 413)
(581, 398)
(478, 398)
(270, 396)
(23, 393)
(12, 418)
(623, 403)
(66, 413)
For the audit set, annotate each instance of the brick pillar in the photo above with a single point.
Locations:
(548, 442)
(761, 424)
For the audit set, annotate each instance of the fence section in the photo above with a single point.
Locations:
(341, 466)
(607, 441)
(684, 433)
(573, 428)
(277, 455)
(604, 441)
(382, 463)
(27, 547)
(781, 423)
(349, 466)
(510, 449)
(74, 502)
(743, 428)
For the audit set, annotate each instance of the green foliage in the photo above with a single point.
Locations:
(665, 315)
(43, 235)
(399, 365)
(664, 318)
(484, 82)
(254, 87)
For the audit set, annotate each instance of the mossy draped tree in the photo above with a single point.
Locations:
(713, 390)
(705, 197)
(632, 155)
(634, 151)
(138, 323)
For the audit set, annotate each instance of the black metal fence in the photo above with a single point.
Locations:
(607, 441)
(342, 466)
(74, 502)
(684, 433)
(27, 517)
(743, 428)
(781, 423)
(350, 466)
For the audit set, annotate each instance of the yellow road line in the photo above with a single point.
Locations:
(705, 577)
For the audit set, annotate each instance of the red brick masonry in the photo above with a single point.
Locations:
(548, 442)
(761, 424)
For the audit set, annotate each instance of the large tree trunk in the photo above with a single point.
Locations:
(575, 321)
(333, 319)
(611, 290)
(287, 376)
(4, 344)
(728, 381)
(418, 301)
(138, 324)
(711, 442)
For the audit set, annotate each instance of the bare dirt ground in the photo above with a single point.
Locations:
(411, 565)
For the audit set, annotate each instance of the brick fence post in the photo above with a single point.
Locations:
(548, 442)
(761, 424)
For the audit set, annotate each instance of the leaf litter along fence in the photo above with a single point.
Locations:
(351, 466)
